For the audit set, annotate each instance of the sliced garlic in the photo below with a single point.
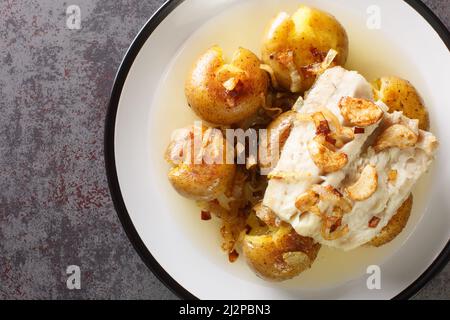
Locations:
(396, 136)
(360, 112)
(366, 185)
(325, 159)
(306, 200)
(330, 235)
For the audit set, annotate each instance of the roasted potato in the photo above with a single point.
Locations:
(395, 225)
(223, 93)
(400, 95)
(199, 174)
(293, 44)
(277, 133)
(277, 253)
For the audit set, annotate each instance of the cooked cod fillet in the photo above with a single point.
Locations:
(391, 171)
(295, 160)
(408, 164)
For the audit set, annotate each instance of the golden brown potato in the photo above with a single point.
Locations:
(203, 174)
(277, 253)
(293, 44)
(278, 132)
(224, 93)
(400, 95)
(395, 225)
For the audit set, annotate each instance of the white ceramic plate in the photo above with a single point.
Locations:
(148, 102)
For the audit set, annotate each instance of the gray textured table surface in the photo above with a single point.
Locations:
(55, 208)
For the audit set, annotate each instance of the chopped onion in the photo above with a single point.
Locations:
(319, 68)
(287, 60)
(296, 78)
(226, 69)
(328, 59)
(231, 83)
(373, 223)
(271, 73)
(298, 104)
(224, 201)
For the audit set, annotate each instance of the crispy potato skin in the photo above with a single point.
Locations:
(207, 95)
(395, 225)
(269, 249)
(265, 254)
(202, 181)
(400, 95)
(309, 33)
(278, 132)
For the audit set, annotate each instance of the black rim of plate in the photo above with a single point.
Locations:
(438, 264)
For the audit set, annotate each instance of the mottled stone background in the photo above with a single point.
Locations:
(55, 207)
